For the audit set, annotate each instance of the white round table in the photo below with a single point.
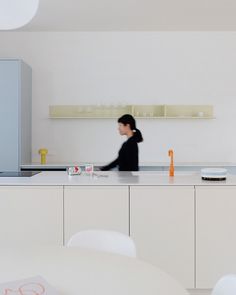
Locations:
(77, 271)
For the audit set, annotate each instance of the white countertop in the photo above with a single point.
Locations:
(142, 164)
(116, 178)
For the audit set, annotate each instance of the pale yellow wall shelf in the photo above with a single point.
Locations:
(138, 111)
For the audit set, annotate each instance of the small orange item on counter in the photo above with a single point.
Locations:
(43, 152)
(171, 168)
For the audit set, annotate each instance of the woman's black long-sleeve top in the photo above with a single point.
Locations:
(127, 157)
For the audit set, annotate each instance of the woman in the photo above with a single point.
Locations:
(128, 154)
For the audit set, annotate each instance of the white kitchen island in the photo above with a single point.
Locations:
(116, 178)
(182, 224)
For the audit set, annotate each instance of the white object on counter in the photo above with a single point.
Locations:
(214, 173)
(89, 169)
(76, 170)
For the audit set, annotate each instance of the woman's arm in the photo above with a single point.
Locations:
(110, 166)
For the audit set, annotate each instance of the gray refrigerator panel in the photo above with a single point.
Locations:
(25, 114)
(9, 116)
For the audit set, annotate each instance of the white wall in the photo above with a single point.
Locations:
(130, 67)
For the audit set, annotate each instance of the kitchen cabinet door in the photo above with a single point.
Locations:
(215, 233)
(162, 226)
(31, 215)
(96, 207)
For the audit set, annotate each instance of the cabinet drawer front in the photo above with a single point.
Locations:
(96, 207)
(215, 233)
(162, 225)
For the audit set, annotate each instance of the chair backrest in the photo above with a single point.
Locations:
(226, 285)
(104, 240)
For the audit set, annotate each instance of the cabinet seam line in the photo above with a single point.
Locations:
(129, 211)
(195, 240)
(63, 214)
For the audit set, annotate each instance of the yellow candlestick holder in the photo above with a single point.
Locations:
(43, 152)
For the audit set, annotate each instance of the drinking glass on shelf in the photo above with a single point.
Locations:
(95, 110)
(113, 110)
(88, 109)
(81, 109)
(105, 110)
(100, 108)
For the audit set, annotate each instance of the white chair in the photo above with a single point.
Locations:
(226, 285)
(104, 240)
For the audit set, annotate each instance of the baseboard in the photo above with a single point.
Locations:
(199, 291)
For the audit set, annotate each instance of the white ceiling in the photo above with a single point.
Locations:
(122, 15)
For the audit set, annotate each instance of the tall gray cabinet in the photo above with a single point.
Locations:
(15, 114)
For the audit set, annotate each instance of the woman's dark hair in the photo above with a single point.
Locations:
(129, 119)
